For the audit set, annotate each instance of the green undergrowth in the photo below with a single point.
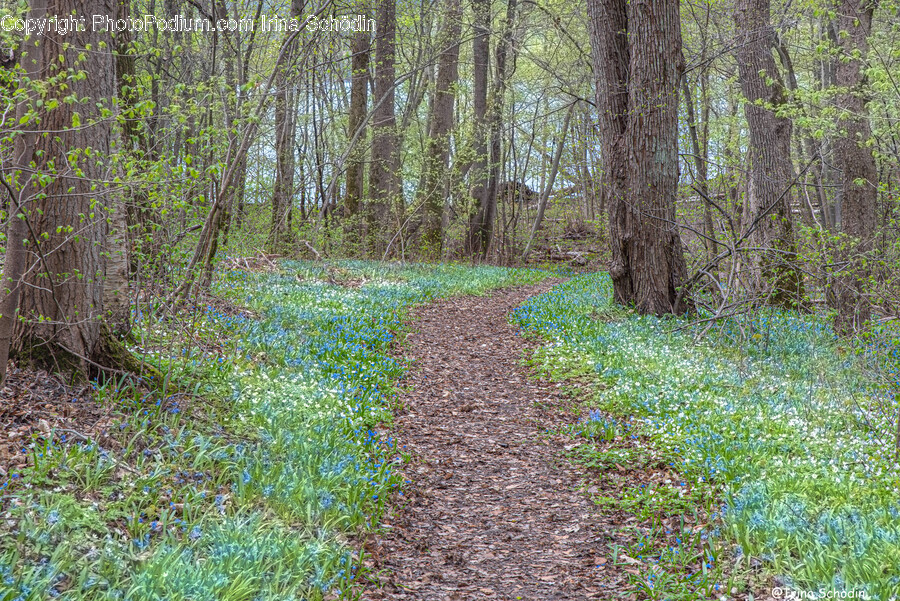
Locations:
(252, 486)
(768, 412)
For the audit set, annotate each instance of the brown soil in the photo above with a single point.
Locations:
(32, 405)
(492, 511)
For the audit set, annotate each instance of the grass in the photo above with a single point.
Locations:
(769, 408)
(253, 486)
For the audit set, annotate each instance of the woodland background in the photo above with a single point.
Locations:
(481, 131)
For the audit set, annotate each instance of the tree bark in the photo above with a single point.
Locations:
(437, 151)
(66, 265)
(231, 51)
(384, 182)
(359, 98)
(240, 176)
(22, 190)
(769, 192)
(233, 166)
(859, 177)
(699, 148)
(285, 135)
(481, 51)
(636, 50)
(807, 148)
(496, 103)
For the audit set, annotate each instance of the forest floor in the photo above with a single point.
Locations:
(537, 442)
(491, 510)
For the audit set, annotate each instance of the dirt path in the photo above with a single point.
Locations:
(491, 511)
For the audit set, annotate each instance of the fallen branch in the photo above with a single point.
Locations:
(310, 247)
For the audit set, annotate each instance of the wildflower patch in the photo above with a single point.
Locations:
(767, 407)
(258, 490)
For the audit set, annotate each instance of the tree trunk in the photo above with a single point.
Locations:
(384, 183)
(636, 50)
(66, 266)
(140, 220)
(240, 176)
(548, 187)
(231, 113)
(359, 98)
(496, 104)
(699, 148)
(116, 289)
(285, 136)
(857, 163)
(437, 151)
(232, 168)
(769, 193)
(23, 192)
(481, 50)
(805, 145)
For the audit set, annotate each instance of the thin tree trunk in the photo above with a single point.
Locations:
(283, 193)
(240, 176)
(805, 144)
(700, 164)
(437, 151)
(21, 194)
(232, 162)
(232, 114)
(220, 226)
(481, 55)
(359, 97)
(828, 173)
(545, 193)
(141, 220)
(496, 104)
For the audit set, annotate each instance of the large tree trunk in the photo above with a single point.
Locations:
(771, 173)
(437, 151)
(638, 63)
(384, 180)
(857, 163)
(66, 266)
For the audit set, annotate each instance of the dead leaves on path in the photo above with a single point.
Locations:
(492, 511)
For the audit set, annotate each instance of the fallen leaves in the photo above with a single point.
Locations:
(489, 511)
